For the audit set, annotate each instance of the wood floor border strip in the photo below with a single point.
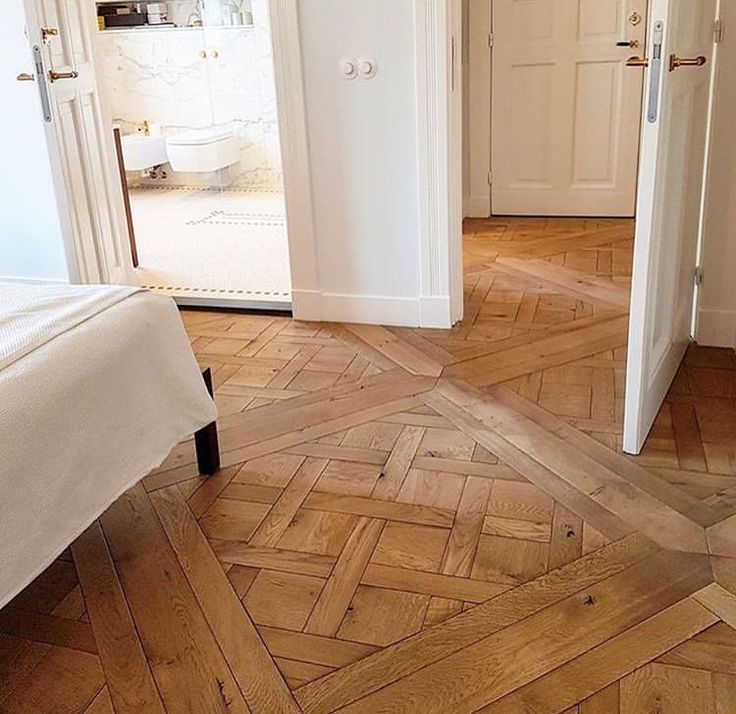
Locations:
(318, 430)
(543, 351)
(129, 678)
(602, 666)
(609, 524)
(520, 438)
(187, 663)
(255, 672)
(408, 656)
(570, 282)
(540, 643)
(624, 467)
(400, 352)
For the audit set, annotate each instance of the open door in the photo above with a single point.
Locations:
(680, 52)
(79, 139)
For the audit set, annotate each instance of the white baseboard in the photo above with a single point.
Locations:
(371, 309)
(476, 207)
(435, 312)
(717, 328)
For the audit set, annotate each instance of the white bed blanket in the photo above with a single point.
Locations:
(31, 315)
(85, 413)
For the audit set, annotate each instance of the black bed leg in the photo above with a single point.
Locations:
(205, 440)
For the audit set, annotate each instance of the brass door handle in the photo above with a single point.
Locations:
(631, 44)
(25, 77)
(637, 62)
(676, 62)
(53, 76)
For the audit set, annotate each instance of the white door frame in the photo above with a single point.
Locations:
(439, 111)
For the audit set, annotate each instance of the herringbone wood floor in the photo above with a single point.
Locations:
(416, 520)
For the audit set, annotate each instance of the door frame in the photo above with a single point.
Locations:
(478, 105)
(438, 26)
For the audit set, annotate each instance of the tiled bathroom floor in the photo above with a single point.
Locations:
(205, 245)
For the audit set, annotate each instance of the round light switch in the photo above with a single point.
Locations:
(348, 68)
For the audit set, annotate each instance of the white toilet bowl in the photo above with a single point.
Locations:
(202, 150)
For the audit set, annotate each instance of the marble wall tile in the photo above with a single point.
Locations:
(157, 75)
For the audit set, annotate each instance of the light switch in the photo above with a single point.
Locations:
(348, 68)
(367, 67)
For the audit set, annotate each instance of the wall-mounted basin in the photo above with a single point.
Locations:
(142, 152)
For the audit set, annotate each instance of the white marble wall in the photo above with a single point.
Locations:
(158, 75)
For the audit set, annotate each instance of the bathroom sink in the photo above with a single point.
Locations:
(142, 152)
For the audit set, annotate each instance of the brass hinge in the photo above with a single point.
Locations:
(491, 39)
(699, 276)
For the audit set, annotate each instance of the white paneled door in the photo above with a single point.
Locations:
(565, 108)
(680, 57)
(79, 139)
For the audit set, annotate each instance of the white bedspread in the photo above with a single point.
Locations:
(31, 315)
(90, 401)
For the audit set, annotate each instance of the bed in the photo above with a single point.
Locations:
(97, 384)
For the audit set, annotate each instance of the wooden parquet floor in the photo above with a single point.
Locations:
(416, 521)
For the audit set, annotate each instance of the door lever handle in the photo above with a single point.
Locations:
(25, 77)
(676, 62)
(632, 44)
(53, 76)
(637, 62)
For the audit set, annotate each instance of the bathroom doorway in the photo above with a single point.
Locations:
(190, 87)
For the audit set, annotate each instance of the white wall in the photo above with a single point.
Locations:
(717, 306)
(363, 161)
(31, 244)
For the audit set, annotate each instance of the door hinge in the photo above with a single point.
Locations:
(490, 178)
(490, 39)
(698, 276)
(718, 31)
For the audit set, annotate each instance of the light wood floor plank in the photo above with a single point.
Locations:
(606, 664)
(397, 350)
(404, 658)
(128, 675)
(602, 612)
(655, 519)
(185, 658)
(337, 593)
(246, 655)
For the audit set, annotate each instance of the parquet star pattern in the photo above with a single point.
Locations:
(416, 520)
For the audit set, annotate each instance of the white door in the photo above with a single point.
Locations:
(79, 140)
(670, 204)
(565, 111)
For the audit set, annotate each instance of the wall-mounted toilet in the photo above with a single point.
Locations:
(202, 150)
